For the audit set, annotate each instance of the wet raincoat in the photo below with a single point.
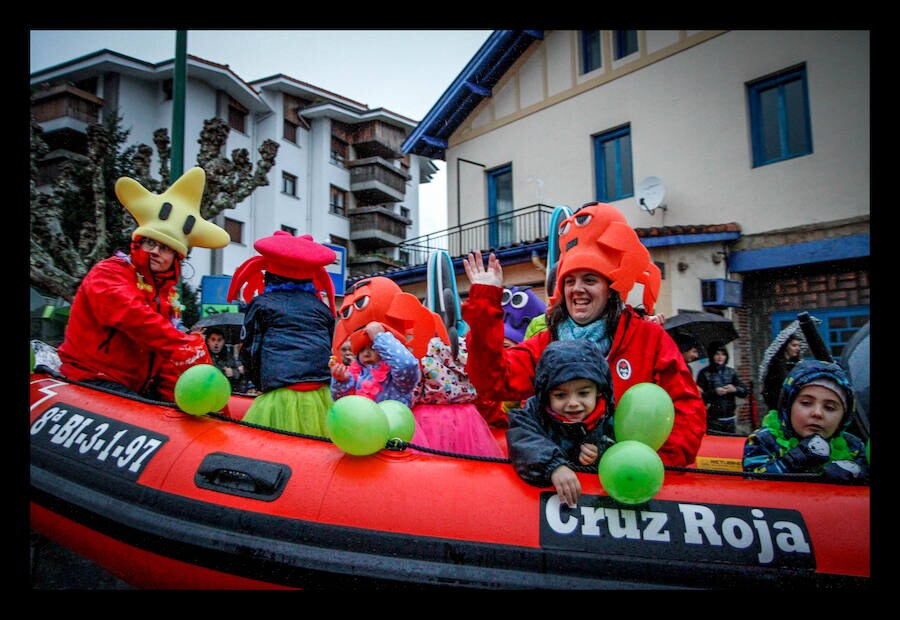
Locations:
(641, 352)
(122, 328)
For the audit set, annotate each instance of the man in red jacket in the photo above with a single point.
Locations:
(124, 325)
(602, 258)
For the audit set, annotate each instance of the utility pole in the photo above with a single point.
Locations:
(179, 85)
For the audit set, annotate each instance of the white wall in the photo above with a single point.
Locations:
(688, 118)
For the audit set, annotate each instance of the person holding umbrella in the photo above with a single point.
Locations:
(719, 385)
(222, 358)
(780, 367)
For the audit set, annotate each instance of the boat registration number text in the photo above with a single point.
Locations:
(105, 443)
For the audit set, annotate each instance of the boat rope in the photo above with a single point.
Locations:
(397, 444)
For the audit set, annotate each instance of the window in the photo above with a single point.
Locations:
(590, 50)
(237, 115)
(836, 328)
(612, 162)
(338, 201)
(167, 87)
(235, 230)
(338, 151)
(404, 212)
(500, 206)
(290, 131)
(288, 184)
(625, 42)
(779, 117)
(289, 229)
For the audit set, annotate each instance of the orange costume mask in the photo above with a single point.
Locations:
(597, 237)
(381, 299)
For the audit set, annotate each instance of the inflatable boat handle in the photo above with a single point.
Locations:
(239, 475)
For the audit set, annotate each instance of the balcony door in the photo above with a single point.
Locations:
(500, 206)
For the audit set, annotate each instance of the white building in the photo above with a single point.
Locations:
(760, 140)
(339, 175)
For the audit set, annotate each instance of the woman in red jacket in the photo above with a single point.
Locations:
(124, 325)
(601, 260)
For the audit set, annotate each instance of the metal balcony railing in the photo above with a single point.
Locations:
(524, 225)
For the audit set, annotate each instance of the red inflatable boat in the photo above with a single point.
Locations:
(162, 499)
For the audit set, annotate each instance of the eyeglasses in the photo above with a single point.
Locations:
(150, 245)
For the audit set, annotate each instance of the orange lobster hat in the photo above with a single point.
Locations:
(597, 237)
(283, 254)
(381, 299)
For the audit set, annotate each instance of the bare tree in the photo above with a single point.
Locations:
(80, 221)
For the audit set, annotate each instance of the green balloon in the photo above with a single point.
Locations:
(201, 389)
(401, 422)
(645, 413)
(357, 425)
(631, 472)
(31, 349)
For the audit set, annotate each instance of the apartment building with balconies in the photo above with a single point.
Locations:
(340, 174)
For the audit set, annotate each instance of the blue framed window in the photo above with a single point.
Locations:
(590, 50)
(779, 117)
(836, 328)
(625, 42)
(500, 206)
(612, 165)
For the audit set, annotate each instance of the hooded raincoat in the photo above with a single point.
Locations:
(539, 441)
(122, 328)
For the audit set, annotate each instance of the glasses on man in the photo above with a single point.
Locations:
(150, 245)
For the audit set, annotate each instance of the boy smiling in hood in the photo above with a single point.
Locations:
(567, 421)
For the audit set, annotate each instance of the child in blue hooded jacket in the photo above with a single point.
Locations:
(807, 432)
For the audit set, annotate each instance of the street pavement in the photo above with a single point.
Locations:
(53, 567)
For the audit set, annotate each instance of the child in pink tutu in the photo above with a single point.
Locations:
(444, 405)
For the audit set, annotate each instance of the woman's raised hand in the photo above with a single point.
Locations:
(478, 274)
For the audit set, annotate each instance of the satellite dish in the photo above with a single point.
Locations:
(650, 193)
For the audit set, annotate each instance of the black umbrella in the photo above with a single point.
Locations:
(705, 327)
(229, 322)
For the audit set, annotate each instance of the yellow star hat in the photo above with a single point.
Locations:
(173, 217)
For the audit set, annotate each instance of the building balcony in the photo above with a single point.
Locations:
(65, 107)
(363, 264)
(374, 180)
(378, 140)
(376, 226)
(520, 226)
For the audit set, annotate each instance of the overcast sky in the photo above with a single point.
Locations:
(404, 71)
